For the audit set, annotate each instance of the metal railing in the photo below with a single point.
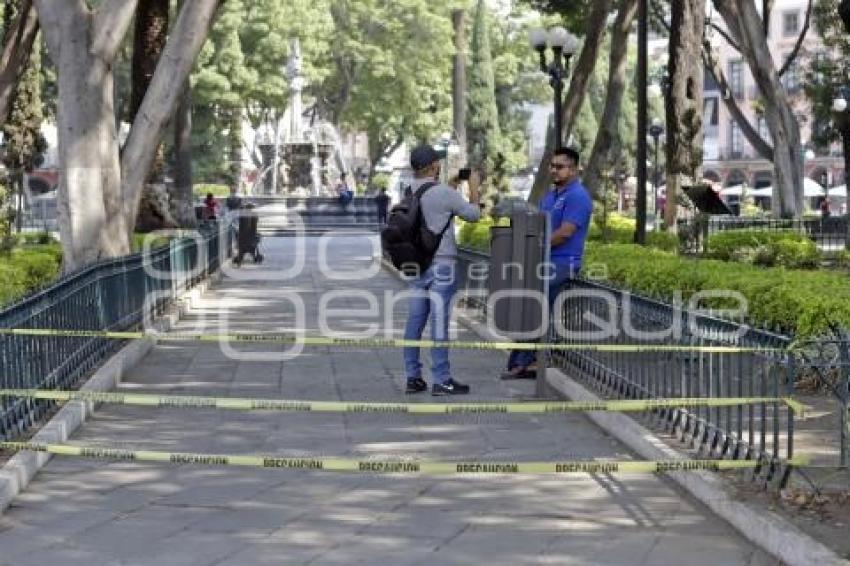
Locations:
(831, 234)
(115, 294)
(828, 361)
(761, 431)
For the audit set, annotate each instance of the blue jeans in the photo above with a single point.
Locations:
(557, 281)
(431, 295)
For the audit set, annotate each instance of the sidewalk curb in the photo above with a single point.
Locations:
(17, 473)
(768, 530)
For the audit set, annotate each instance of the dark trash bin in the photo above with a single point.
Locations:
(248, 238)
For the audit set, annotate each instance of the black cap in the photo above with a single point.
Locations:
(422, 156)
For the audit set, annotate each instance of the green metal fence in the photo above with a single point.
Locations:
(115, 294)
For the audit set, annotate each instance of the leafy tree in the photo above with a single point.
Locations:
(20, 25)
(240, 74)
(220, 82)
(100, 188)
(573, 14)
(589, 22)
(588, 122)
(389, 72)
(607, 145)
(23, 144)
(486, 149)
(266, 34)
(745, 30)
(517, 81)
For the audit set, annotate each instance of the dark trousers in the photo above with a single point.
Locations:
(560, 280)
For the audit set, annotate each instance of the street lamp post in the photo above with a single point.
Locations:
(445, 140)
(655, 130)
(563, 45)
(621, 181)
(808, 155)
(842, 120)
(448, 146)
(642, 68)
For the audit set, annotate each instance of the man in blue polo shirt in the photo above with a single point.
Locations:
(569, 207)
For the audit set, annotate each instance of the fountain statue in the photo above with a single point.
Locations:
(309, 148)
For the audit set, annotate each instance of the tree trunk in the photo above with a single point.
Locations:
(90, 220)
(750, 134)
(581, 74)
(17, 45)
(149, 40)
(783, 126)
(98, 199)
(182, 207)
(684, 103)
(459, 82)
(607, 142)
(185, 41)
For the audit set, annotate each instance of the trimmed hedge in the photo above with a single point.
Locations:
(788, 249)
(31, 238)
(12, 284)
(802, 303)
(139, 242)
(27, 269)
(476, 235)
(797, 302)
(36, 262)
(200, 190)
(619, 230)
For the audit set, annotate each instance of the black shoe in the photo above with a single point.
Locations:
(450, 387)
(524, 374)
(416, 385)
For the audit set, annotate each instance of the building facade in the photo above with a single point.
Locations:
(729, 159)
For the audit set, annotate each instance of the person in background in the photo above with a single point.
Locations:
(569, 207)
(343, 191)
(382, 202)
(234, 201)
(211, 208)
(232, 204)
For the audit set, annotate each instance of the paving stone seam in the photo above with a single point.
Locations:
(20, 469)
(769, 531)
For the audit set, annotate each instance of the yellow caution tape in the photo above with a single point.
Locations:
(287, 405)
(390, 466)
(310, 340)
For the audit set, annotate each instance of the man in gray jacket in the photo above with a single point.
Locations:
(434, 289)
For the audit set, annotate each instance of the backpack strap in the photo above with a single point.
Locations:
(421, 191)
(446, 227)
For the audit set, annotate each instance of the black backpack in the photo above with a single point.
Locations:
(407, 240)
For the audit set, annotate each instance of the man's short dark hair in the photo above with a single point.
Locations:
(567, 152)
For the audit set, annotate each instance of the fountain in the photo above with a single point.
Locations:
(301, 156)
(298, 155)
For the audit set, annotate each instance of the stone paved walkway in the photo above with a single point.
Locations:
(93, 512)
